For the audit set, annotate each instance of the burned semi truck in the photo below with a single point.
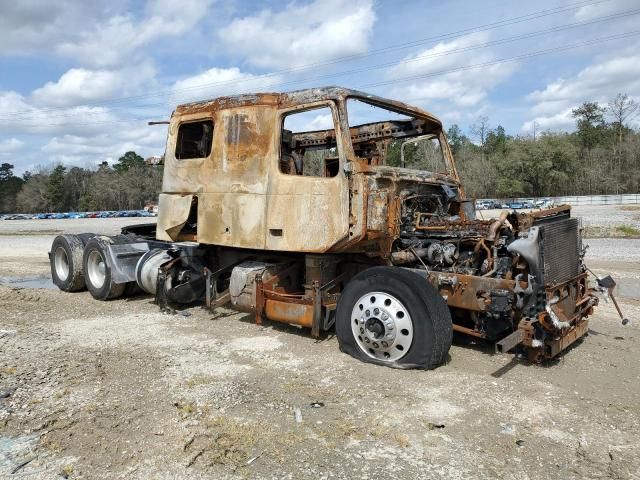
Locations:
(332, 208)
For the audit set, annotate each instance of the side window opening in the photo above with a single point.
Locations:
(194, 140)
(308, 144)
(385, 137)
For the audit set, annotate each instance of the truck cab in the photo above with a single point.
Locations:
(265, 182)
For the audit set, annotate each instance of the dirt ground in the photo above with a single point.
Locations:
(119, 390)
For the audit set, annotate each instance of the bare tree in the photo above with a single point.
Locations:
(621, 108)
(480, 130)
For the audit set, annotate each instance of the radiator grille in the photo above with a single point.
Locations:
(560, 250)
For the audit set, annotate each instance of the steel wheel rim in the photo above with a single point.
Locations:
(382, 326)
(61, 263)
(96, 269)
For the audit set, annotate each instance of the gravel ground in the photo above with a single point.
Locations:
(119, 390)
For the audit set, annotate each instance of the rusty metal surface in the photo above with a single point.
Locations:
(245, 201)
(510, 341)
(287, 312)
(526, 220)
(243, 197)
(173, 211)
(467, 291)
(296, 98)
(561, 343)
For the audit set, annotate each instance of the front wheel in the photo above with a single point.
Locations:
(393, 317)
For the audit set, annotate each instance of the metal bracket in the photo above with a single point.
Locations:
(510, 341)
(317, 309)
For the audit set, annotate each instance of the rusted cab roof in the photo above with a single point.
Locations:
(300, 97)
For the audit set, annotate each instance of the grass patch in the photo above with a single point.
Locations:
(200, 380)
(618, 231)
(185, 408)
(630, 208)
(401, 439)
(628, 230)
(66, 471)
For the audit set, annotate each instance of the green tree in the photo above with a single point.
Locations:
(6, 172)
(497, 141)
(55, 189)
(128, 161)
(536, 168)
(456, 138)
(10, 185)
(590, 124)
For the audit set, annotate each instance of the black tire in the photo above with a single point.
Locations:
(132, 289)
(98, 277)
(66, 263)
(428, 314)
(85, 237)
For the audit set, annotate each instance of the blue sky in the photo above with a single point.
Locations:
(79, 80)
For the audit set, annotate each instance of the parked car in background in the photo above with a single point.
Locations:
(516, 205)
(544, 203)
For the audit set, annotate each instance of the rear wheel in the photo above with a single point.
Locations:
(393, 317)
(97, 270)
(66, 263)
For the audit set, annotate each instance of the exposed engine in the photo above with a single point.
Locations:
(517, 266)
(436, 234)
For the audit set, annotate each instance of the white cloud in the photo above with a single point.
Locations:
(465, 88)
(598, 82)
(10, 145)
(31, 25)
(18, 115)
(80, 136)
(217, 82)
(114, 42)
(302, 34)
(106, 146)
(561, 120)
(79, 85)
(599, 9)
(92, 148)
(92, 32)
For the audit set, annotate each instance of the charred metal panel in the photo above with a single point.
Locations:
(377, 210)
(231, 184)
(304, 213)
(173, 211)
(234, 219)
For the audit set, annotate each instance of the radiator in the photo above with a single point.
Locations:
(560, 250)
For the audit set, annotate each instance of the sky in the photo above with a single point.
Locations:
(80, 80)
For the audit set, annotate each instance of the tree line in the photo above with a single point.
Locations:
(127, 185)
(602, 156)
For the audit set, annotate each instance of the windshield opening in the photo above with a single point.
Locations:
(383, 136)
